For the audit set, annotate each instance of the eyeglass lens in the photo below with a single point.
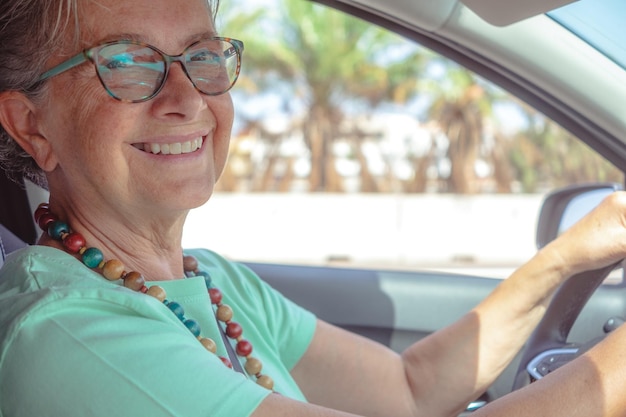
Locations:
(135, 72)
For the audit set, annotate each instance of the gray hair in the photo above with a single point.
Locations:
(31, 32)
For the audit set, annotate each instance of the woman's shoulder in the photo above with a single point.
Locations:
(37, 267)
(41, 282)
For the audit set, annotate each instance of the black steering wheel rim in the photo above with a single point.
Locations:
(565, 307)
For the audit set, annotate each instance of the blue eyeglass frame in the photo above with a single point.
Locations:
(88, 55)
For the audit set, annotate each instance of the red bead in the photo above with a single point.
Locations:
(216, 295)
(45, 219)
(42, 209)
(233, 330)
(74, 242)
(226, 361)
(243, 348)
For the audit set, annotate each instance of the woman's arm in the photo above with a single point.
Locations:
(440, 374)
(591, 386)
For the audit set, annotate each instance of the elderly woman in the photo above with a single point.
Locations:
(121, 108)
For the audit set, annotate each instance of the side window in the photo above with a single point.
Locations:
(353, 146)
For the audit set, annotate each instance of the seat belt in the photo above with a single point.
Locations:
(232, 355)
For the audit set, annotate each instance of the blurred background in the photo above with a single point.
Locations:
(354, 146)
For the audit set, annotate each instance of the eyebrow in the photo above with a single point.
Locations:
(140, 38)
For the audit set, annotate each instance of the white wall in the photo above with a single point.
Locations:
(442, 231)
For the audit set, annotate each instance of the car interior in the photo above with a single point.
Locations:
(503, 41)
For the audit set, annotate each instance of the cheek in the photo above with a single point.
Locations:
(89, 103)
(224, 114)
(81, 123)
(222, 108)
(75, 103)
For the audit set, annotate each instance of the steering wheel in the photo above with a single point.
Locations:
(547, 348)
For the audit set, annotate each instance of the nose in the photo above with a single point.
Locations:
(178, 96)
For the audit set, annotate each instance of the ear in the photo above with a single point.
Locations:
(18, 116)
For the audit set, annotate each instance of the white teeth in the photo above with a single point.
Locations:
(172, 148)
(175, 148)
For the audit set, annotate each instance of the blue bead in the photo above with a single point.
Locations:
(57, 228)
(92, 257)
(207, 278)
(193, 326)
(177, 309)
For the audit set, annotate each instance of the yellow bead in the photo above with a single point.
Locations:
(266, 382)
(113, 270)
(209, 344)
(253, 366)
(224, 313)
(157, 292)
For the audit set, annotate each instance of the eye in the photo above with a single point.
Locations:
(204, 56)
(118, 61)
(230, 52)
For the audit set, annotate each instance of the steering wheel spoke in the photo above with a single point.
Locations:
(549, 361)
(547, 348)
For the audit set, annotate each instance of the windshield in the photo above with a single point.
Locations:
(599, 22)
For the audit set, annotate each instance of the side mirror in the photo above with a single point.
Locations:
(565, 206)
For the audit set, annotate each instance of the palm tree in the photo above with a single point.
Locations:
(329, 62)
(546, 156)
(460, 105)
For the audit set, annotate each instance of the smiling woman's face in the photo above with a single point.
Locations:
(103, 151)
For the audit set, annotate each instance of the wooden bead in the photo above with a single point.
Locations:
(190, 263)
(113, 270)
(74, 242)
(209, 344)
(266, 382)
(157, 292)
(57, 229)
(226, 362)
(43, 208)
(45, 219)
(233, 330)
(134, 280)
(243, 348)
(224, 313)
(193, 326)
(216, 296)
(253, 366)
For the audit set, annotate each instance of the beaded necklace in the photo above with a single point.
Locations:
(114, 270)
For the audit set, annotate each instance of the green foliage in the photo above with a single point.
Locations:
(328, 61)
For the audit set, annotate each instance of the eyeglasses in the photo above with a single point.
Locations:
(135, 72)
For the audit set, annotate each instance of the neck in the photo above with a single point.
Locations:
(152, 247)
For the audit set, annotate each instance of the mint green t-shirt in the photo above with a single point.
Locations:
(74, 344)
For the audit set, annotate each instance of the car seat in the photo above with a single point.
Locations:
(8, 243)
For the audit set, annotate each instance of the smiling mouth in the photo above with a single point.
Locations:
(176, 148)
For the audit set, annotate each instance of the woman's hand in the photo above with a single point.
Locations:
(597, 240)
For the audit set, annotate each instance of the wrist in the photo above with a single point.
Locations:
(553, 261)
